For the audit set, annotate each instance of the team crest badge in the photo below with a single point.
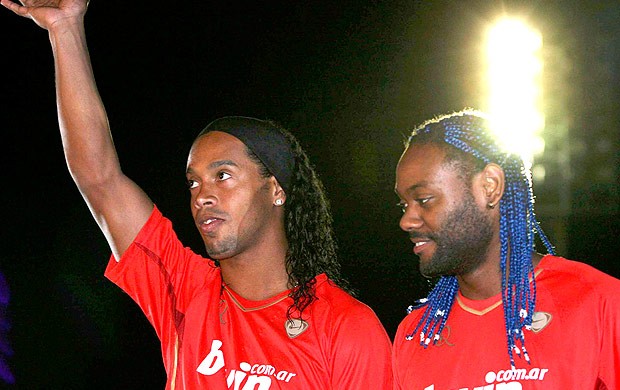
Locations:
(294, 327)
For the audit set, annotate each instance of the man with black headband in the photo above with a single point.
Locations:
(269, 309)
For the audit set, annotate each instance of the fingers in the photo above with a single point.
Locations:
(16, 8)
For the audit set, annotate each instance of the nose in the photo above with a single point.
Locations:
(204, 197)
(411, 219)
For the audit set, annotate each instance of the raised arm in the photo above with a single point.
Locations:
(118, 205)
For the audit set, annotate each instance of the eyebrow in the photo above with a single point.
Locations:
(423, 183)
(216, 164)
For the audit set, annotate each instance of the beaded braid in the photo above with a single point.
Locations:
(468, 131)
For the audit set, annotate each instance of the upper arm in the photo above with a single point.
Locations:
(362, 352)
(609, 371)
(120, 208)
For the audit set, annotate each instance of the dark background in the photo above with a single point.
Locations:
(348, 78)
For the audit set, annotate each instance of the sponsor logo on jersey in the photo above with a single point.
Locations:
(248, 376)
(510, 379)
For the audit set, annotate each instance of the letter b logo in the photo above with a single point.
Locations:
(214, 360)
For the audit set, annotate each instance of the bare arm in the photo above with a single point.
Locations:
(118, 205)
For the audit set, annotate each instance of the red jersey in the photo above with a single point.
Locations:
(574, 342)
(212, 338)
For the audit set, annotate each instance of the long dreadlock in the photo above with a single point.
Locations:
(312, 247)
(466, 135)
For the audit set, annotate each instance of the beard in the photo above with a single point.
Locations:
(221, 249)
(462, 241)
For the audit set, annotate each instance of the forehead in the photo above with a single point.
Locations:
(218, 146)
(423, 166)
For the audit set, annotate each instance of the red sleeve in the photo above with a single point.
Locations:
(361, 353)
(609, 372)
(406, 326)
(398, 340)
(161, 276)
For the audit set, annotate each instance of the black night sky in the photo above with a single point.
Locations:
(348, 78)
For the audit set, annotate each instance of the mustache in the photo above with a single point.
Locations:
(428, 236)
(211, 214)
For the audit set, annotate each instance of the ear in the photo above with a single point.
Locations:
(493, 181)
(279, 196)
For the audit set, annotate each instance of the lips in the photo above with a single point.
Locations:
(420, 245)
(208, 224)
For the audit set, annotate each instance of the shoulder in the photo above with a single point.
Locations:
(408, 324)
(157, 228)
(559, 275)
(157, 243)
(575, 271)
(345, 325)
(337, 309)
(335, 301)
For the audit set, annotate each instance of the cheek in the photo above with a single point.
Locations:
(437, 220)
(240, 203)
(255, 207)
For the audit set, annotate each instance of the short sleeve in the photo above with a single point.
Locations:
(361, 354)
(162, 276)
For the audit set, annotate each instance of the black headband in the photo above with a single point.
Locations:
(265, 140)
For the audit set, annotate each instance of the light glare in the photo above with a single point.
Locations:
(514, 70)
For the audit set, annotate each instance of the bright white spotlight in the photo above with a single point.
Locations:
(514, 70)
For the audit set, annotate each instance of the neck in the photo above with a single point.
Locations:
(485, 281)
(481, 284)
(258, 276)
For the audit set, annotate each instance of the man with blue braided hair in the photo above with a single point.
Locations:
(501, 316)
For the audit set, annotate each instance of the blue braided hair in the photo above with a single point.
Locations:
(466, 137)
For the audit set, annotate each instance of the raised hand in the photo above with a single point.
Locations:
(119, 206)
(48, 13)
